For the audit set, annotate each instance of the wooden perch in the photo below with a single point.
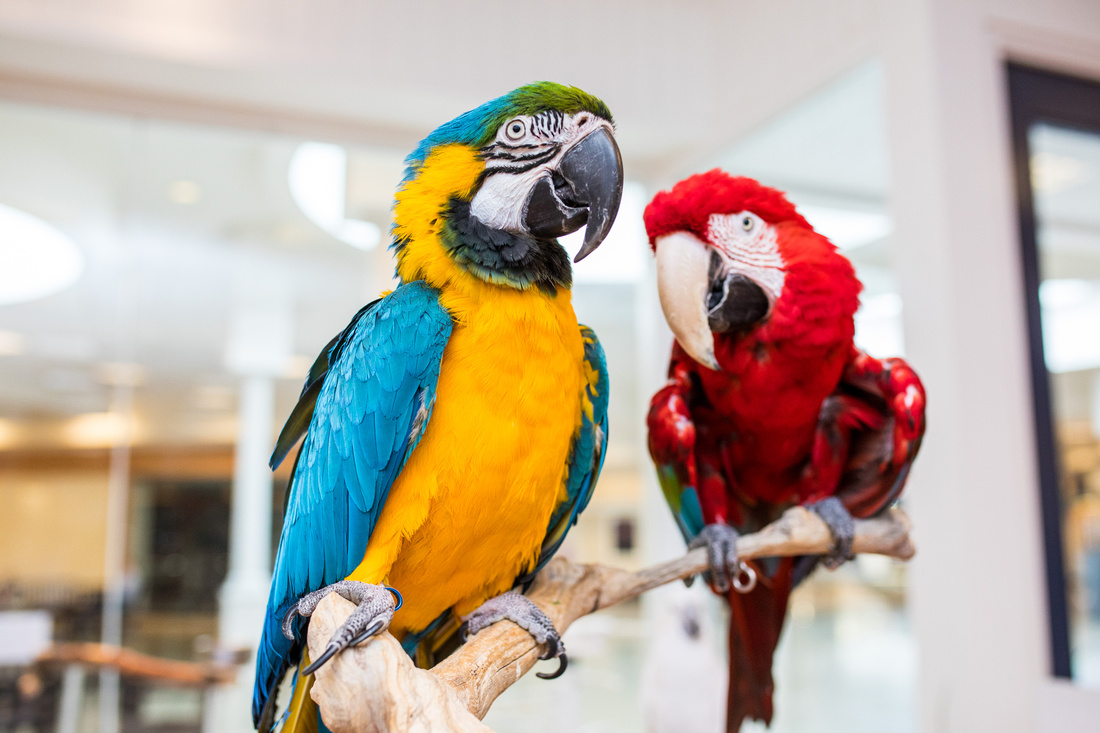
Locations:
(375, 687)
(135, 664)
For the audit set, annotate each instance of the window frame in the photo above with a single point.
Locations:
(1040, 96)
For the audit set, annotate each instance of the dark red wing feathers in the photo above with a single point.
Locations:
(888, 398)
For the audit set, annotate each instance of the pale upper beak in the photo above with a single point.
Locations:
(702, 293)
(682, 264)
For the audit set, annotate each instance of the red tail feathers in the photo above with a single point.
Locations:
(756, 618)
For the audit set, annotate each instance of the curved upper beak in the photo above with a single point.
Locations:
(585, 188)
(701, 295)
(682, 283)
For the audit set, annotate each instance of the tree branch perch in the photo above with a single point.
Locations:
(376, 687)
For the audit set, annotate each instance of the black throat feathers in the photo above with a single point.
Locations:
(504, 258)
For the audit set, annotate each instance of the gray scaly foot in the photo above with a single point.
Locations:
(726, 569)
(375, 605)
(520, 610)
(840, 523)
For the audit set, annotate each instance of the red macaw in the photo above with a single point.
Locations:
(769, 403)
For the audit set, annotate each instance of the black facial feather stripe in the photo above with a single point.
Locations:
(540, 155)
(513, 167)
(504, 258)
(547, 123)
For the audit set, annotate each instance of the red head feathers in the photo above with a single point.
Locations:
(736, 261)
(688, 206)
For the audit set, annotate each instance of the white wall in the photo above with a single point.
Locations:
(978, 591)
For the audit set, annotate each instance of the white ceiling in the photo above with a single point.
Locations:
(683, 78)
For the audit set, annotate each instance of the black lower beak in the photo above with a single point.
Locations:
(734, 302)
(585, 189)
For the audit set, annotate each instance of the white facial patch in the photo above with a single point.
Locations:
(545, 137)
(750, 247)
(499, 202)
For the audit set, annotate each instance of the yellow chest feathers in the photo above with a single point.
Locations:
(469, 511)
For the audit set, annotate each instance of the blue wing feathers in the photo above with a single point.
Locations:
(377, 374)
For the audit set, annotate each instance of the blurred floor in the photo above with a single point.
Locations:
(847, 661)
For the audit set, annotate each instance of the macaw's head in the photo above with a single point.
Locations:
(735, 257)
(488, 193)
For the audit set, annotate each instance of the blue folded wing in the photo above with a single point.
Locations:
(366, 403)
(587, 455)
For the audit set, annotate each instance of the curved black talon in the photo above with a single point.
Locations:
(374, 628)
(329, 652)
(524, 613)
(563, 661)
(288, 622)
(374, 609)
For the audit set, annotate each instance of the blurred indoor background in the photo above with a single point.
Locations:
(194, 198)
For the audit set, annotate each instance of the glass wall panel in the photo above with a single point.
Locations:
(1065, 180)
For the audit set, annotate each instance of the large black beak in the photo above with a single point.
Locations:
(585, 189)
(734, 302)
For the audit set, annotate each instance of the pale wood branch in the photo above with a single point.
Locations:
(135, 664)
(375, 686)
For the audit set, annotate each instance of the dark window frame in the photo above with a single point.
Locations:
(1038, 96)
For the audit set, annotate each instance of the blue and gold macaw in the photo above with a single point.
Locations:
(455, 429)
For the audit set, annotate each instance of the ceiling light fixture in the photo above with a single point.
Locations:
(184, 192)
(12, 343)
(36, 259)
(318, 183)
(99, 430)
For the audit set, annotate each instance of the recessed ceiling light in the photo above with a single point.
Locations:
(184, 192)
(98, 430)
(12, 343)
(318, 183)
(36, 259)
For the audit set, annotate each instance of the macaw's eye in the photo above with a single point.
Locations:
(515, 129)
(747, 223)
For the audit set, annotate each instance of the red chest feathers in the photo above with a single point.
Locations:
(757, 415)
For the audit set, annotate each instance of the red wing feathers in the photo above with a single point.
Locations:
(878, 409)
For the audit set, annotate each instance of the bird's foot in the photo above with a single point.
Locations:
(726, 569)
(519, 609)
(375, 605)
(833, 512)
